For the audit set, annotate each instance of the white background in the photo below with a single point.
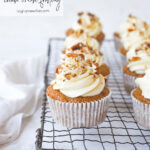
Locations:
(28, 36)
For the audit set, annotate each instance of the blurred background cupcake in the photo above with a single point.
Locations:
(141, 100)
(138, 62)
(90, 24)
(129, 35)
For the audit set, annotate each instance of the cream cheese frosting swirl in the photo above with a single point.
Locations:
(139, 58)
(80, 36)
(77, 75)
(144, 84)
(89, 23)
(133, 31)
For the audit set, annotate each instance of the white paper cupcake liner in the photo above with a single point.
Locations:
(123, 59)
(118, 43)
(141, 112)
(129, 82)
(79, 114)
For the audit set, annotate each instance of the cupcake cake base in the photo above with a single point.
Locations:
(80, 111)
(129, 78)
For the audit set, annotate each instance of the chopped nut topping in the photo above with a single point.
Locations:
(74, 75)
(96, 64)
(101, 53)
(72, 55)
(91, 15)
(84, 70)
(134, 24)
(116, 35)
(134, 59)
(96, 75)
(89, 62)
(58, 69)
(80, 13)
(68, 76)
(83, 51)
(141, 33)
(82, 56)
(137, 50)
(64, 51)
(131, 30)
(79, 21)
(147, 44)
(69, 32)
(77, 46)
(78, 33)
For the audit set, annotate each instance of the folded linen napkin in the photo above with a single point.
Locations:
(21, 85)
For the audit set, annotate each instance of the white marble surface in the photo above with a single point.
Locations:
(28, 36)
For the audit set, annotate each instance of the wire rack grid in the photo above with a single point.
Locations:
(119, 130)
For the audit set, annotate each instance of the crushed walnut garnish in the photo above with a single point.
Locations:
(77, 46)
(69, 32)
(79, 21)
(80, 13)
(68, 76)
(134, 59)
(131, 30)
(78, 60)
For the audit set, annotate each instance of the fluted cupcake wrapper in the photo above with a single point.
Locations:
(129, 82)
(141, 112)
(79, 114)
(118, 43)
(123, 59)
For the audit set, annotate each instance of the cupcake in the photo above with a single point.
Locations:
(79, 36)
(130, 34)
(139, 62)
(90, 24)
(78, 96)
(141, 100)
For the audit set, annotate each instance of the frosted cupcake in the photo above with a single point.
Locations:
(139, 62)
(130, 34)
(80, 36)
(90, 24)
(141, 100)
(78, 96)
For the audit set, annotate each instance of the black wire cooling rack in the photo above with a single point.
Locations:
(119, 131)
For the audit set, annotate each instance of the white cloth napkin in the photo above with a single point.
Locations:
(21, 85)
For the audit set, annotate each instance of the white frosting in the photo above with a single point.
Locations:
(132, 40)
(133, 31)
(89, 24)
(82, 38)
(144, 84)
(139, 58)
(84, 85)
(83, 64)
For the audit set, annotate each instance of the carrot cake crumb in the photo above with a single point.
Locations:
(57, 95)
(127, 71)
(138, 95)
